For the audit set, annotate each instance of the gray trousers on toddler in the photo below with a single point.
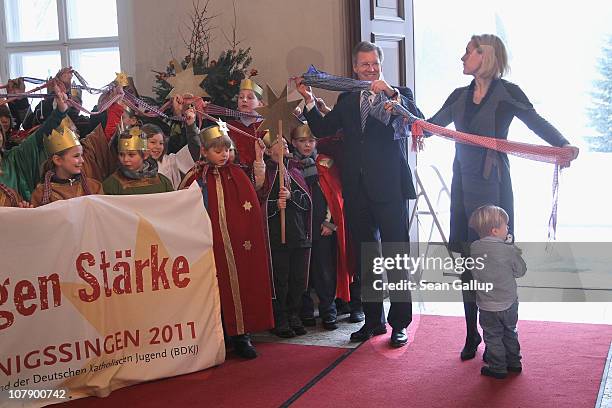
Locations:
(501, 338)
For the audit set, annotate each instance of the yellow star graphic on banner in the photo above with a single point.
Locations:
(247, 245)
(278, 109)
(139, 311)
(185, 81)
(247, 206)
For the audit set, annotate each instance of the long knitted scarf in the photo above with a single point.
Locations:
(309, 167)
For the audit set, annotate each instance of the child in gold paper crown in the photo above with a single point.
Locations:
(138, 172)
(289, 260)
(238, 239)
(19, 169)
(250, 97)
(329, 269)
(63, 177)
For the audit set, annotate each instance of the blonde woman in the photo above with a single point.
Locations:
(481, 176)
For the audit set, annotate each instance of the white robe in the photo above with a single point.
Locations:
(175, 164)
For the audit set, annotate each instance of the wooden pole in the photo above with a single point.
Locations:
(281, 175)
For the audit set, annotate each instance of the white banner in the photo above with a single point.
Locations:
(101, 292)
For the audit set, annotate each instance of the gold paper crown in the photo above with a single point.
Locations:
(76, 93)
(250, 84)
(268, 140)
(135, 140)
(67, 123)
(61, 139)
(121, 79)
(302, 131)
(213, 132)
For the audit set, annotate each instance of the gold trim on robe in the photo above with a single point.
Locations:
(229, 254)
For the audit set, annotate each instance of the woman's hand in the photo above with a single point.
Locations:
(575, 152)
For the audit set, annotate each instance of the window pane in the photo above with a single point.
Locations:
(88, 19)
(98, 66)
(31, 20)
(41, 64)
(564, 73)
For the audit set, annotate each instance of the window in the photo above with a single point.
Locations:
(557, 68)
(42, 36)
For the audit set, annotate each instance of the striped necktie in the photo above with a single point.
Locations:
(364, 108)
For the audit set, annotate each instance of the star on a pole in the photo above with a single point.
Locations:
(247, 206)
(222, 127)
(277, 109)
(185, 81)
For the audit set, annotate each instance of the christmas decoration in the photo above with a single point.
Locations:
(186, 81)
(222, 76)
(277, 109)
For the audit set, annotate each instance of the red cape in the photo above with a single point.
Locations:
(239, 246)
(245, 146)
(329, 180)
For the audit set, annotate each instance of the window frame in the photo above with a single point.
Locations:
(64, 44)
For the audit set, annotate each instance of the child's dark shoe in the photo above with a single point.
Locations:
(495, 374)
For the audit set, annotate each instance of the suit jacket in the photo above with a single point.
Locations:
(372, 155)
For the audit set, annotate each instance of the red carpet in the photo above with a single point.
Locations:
(563, 365)
(268, 381)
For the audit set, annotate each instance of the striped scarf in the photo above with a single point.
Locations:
(415, 127)
(149, 170)
(46, 198)
(10, 194)
(319, 79)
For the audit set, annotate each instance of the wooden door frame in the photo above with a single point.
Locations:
(356, 27)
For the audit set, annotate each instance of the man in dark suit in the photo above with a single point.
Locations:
(376, 185)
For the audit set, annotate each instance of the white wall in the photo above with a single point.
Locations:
(285, 36)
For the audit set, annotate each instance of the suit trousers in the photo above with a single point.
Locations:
(379, 229)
